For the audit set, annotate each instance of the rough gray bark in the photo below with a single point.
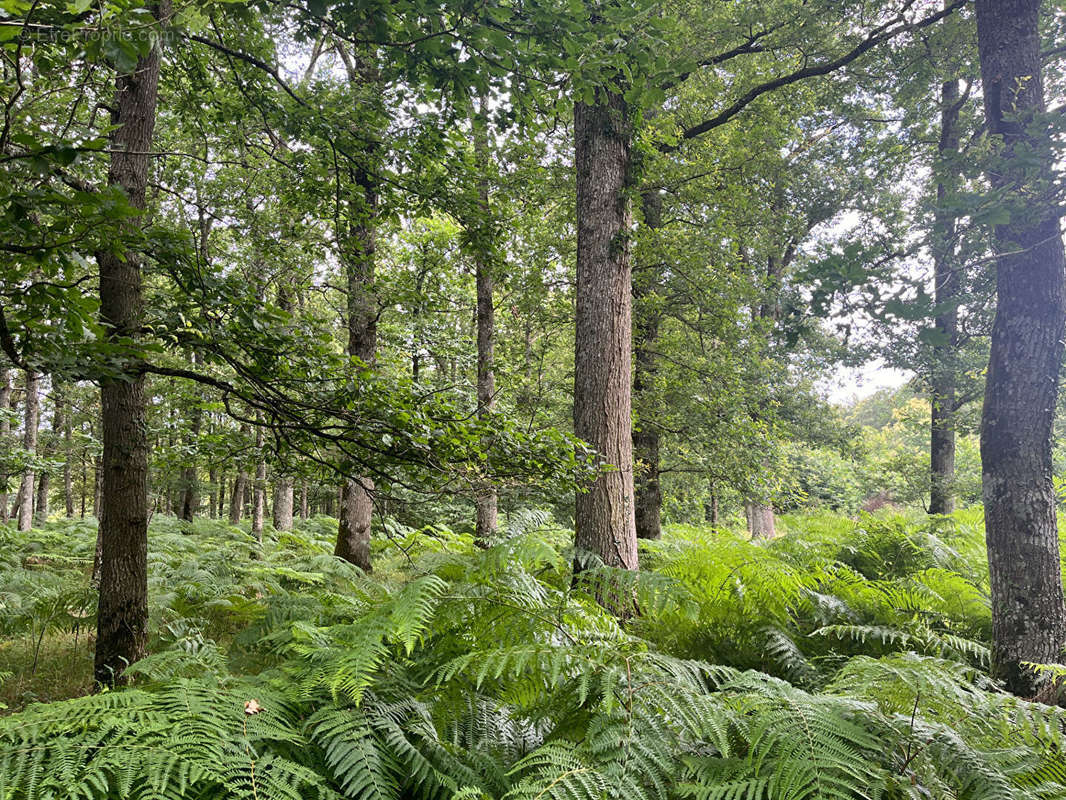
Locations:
(760, 518)
(646, 477)
(947, 283)
(604, 522)
(1028, 617)
(30, 417)
(484, 260)
(122, 616)
(283, 504)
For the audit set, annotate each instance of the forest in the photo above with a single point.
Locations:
(532, 399)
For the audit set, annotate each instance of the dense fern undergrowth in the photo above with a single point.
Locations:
(846, 659)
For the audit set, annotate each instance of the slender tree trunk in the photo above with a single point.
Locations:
(240, 488)
(604, 521)
(1028, 616)
(303, 502)
(947, 285)
(63, 423)
(283, 505)
(98, 486)
(31, 415)
(648, 492)
(190, 494)
(710, 508)
(222, 495)
(5, 433)
(122, 616)
(259, 488)
(212, 497)
(484, 262)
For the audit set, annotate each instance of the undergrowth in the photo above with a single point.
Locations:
(843, 660)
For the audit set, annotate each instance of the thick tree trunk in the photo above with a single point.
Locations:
(236, 498)
(283, 505)
(122, 617)
(604, 521)
(358, 247)
(648, 492)
(44, 489)
(5, 433)
(484, 262)
(1028, 617)
(947, 285)
(760, 517)
(30, 417)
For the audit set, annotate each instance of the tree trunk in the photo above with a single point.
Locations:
(122, 617)
(760, 518)
(1028, 617)
(236, 499)
(303, 502)
(604, 522)
(5, 432)
(947, 285)
(484, 263)
(62, 423)
(213, 497)
(358, 246)
(354, 520)
(190, 484)
(259, 487)
(710, 508)
(44, 488)
(648, 492)
(283, 505)
(31, 414)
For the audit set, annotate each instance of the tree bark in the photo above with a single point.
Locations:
(212, 497)
(303, 501)
(44, 489)
(190, 483)
(259, 487)
(283, 504)
(604, 521)
(30, 417)
(5, 432)
(760, 517)
(484, 264)
(947, 281)
(1028, 616)
(122, 617)
(358, 247)
(63, 424)
(646, 478)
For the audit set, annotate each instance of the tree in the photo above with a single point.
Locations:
(122, 616)
(1028, 615)
(30, 418)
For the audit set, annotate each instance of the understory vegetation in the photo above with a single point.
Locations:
(845, 659)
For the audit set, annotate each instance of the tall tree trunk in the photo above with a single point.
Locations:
(212, 497)
(947, 284)
(303, 501)
(240, 487)
(122, 616)
(710, 508)
(358, 246)
(484, 263)
(190, 484)
(63, 423)
(259, 487)
(1028, 616)
(30, 417)
(221, 495)
(648, 492)
(44, 488)
(5, 433)
(604, 520)
(283, 504)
